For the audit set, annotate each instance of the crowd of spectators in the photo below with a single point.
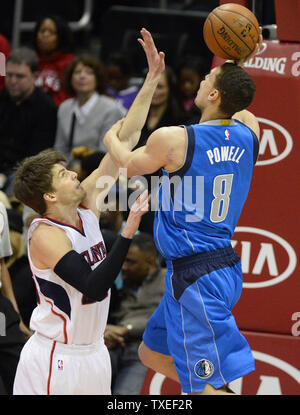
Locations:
(53, 97)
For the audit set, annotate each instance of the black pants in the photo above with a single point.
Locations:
(11, 344)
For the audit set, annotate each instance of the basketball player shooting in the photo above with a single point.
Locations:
(71, 271)
(192, 337)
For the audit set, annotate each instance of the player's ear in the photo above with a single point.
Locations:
(49, 197)
(214, 95)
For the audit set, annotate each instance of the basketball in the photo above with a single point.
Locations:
(231, 31)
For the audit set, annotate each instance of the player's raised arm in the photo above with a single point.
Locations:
(137, 114)
(246, 116)
(249, 119)
(160, 151)
(129, 129)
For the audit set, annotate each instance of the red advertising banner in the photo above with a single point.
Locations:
(287, 19)
(240, 2)
(267, 236)
(277, 369)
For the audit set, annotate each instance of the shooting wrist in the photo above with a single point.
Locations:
(119, 150)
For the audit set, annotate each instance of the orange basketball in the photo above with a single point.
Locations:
(231, 31)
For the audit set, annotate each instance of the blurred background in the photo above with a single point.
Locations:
(101, 27)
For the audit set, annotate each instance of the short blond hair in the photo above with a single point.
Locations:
(34, 178)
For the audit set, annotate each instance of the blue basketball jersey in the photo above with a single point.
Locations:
(199, 205)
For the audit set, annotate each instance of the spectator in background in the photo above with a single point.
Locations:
(112, 218)
(166, 108)
(53, 43)
(190, 72)
(18, 265)
(119, 72)
(142, 291)
(89, 163)
(5, 49)
(85, 161)
(84, 119)
(27, 114)
(13, 332)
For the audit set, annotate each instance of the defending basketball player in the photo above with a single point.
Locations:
(192, 337)
(71, 271)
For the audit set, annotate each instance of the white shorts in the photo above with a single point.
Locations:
(47, 367)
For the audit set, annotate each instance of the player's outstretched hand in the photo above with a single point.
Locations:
(155, 59)
(241, 62)
(138, 209)
(114, 130)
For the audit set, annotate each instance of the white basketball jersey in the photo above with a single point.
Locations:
(63, 313)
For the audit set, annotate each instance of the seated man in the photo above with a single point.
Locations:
(143, 287)
(27, 114)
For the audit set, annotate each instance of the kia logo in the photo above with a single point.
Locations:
(156, 385)
(253, 262)
(272, 136)
(278, 363)
(269, 385)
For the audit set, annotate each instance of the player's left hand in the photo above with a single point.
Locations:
(137, 210)
(241, 62)
(155, 59)
(114, 130)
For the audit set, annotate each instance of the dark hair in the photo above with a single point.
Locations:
(93, 63)
(24, 55)
(200, 65)
(64, 33)
(144, 241)
(91, 162)
(236, 87)
(122, 61)
(173, 100)
(34, 178)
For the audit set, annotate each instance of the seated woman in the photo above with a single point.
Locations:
(119, 74)
(166, 108)
(190, 72)
(52, 40)
(84, 119)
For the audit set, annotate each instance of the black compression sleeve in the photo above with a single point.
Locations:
(75, 270)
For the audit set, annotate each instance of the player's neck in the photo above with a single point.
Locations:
(211, 114)
(156, 111)
(65, 214)
(82, 98)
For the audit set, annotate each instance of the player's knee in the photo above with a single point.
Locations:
(154, 360)
(148, 357)
(144, 354)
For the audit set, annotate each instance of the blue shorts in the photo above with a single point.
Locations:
(194, 323)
